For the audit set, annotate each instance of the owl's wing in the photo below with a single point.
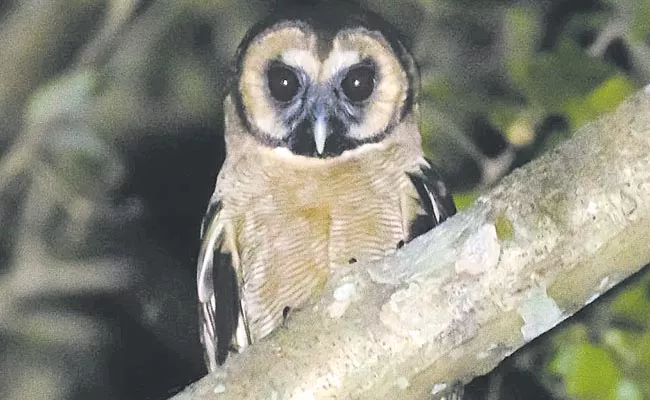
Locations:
(220, 310)
(435, 199)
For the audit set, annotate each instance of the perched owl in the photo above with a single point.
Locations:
(324, 167)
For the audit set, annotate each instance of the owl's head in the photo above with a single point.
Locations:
(322, 79)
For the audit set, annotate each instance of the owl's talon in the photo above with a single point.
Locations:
(285, 314)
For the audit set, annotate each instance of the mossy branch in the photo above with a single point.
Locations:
(549, 239)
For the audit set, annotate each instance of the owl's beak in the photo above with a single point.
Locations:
(320, 132)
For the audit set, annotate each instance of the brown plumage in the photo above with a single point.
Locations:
(287, 210)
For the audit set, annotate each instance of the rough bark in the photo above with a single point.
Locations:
(548, 240)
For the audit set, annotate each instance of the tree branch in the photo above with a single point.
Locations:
(549, 239)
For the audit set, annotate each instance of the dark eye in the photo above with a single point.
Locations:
(359, 83)
(283, 83)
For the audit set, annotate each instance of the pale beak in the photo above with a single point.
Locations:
(320, 133)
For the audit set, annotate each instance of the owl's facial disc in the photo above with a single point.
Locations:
(318, 116)
(319, 96)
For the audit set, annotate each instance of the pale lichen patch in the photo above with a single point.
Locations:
(345, 292)
(402, 383)
(438, 387)
(337, 309)
(220, 388)
(480, 252)
(300, 394)
(343, 296)
(407, 311)
(539, 312)
(592, 208)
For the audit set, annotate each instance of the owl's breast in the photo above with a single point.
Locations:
(357, 209)
(296, 223)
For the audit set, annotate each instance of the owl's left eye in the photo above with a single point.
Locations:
(359, 83)
(283, 83)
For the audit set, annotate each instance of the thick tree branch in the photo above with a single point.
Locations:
(548, 240)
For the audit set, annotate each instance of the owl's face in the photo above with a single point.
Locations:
(319, 88)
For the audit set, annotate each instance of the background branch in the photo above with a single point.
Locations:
(549, 239)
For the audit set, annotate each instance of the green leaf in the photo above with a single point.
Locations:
(633, 304)
(464, 199)
(588, 372)
(521, 29)
(606, 97)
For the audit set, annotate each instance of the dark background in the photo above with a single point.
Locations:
(110, 142)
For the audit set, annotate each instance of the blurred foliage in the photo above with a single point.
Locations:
(616, 338)
(110, 143)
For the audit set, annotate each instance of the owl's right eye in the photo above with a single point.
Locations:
(283, 82)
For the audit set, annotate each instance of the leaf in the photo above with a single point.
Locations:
(604, 98)
(588, 372)
(634, 305)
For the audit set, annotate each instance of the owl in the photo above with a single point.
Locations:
(324, 167)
